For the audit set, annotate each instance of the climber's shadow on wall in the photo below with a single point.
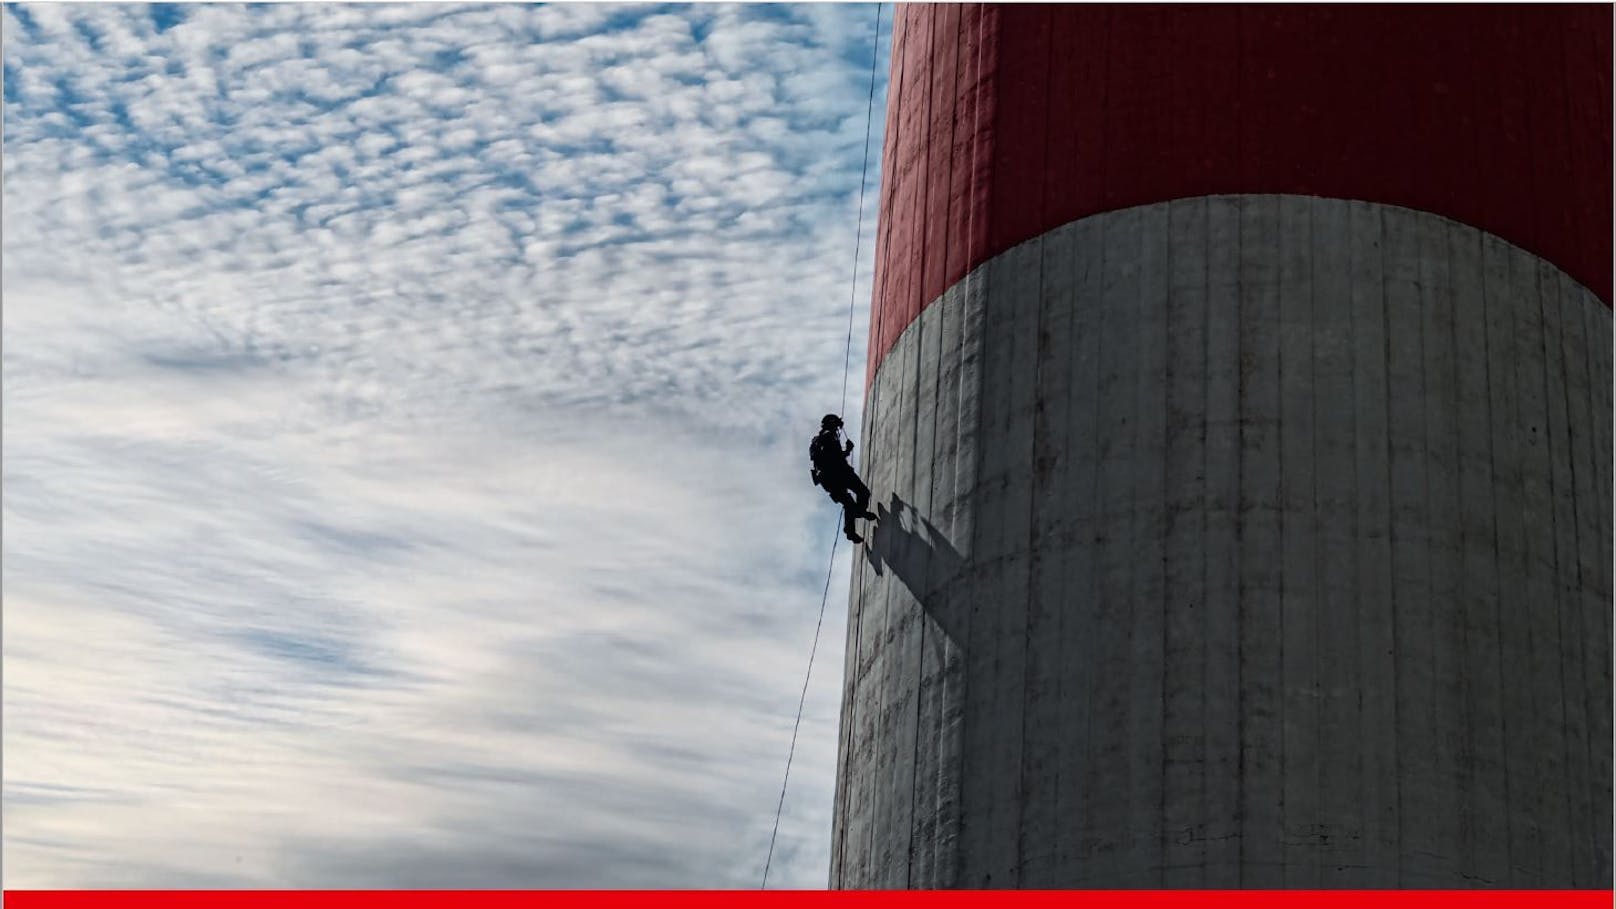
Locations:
(905, 545)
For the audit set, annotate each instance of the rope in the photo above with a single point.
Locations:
(823, 598)
(847, 361)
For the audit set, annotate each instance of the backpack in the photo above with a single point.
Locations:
(819, 457)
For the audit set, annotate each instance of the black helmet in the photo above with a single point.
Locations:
(831, 421)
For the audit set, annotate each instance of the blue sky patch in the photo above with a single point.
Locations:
(429, 381)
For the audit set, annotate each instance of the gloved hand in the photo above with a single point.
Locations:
(849, 446)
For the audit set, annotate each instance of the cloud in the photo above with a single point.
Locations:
(403, 423)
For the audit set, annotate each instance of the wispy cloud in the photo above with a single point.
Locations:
(404, 409)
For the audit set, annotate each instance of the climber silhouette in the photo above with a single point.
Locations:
(832, 473)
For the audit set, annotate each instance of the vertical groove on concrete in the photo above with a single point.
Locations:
(1388, 862)
(932, 709)
(1079, 636)
(1541, 663)
(1112, 820)
(1581, 650)
(1592, 510)
(1572, 715)
(1479, 758)
(1529, 745)
(1149, 534)
(1545, 646)
(1237, 542)
(1587, 630)
(1500, 412)
(898, 432)
(1184, 648)
(920, 723)
(1376, 602)
(1259, 535)
(1298, 556)
(1335, 492)
(1025, 289)
(909, 629)
(967, 469)
(1600, 344)
(1415, 806)
(1443, 546)
(1044, 707)
(1222, 545)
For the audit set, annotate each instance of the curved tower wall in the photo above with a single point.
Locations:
(1240, 424)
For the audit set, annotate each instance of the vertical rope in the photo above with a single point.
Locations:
(847, 361)
(858, 235)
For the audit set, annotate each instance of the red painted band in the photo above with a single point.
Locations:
(1004, 122)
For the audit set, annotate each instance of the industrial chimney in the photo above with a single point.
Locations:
(1239, 415)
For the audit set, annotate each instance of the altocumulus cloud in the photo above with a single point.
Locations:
(404, 413)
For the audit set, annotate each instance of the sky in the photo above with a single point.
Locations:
(405, 412)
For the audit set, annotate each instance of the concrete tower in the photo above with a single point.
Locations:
(1240, 417)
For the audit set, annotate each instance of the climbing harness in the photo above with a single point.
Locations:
(847, 361)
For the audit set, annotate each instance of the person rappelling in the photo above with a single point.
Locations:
(832, 473)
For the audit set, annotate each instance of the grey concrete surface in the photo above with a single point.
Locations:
(1254, 541)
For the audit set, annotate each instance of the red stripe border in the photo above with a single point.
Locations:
(701, 899)
(1007, 121)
